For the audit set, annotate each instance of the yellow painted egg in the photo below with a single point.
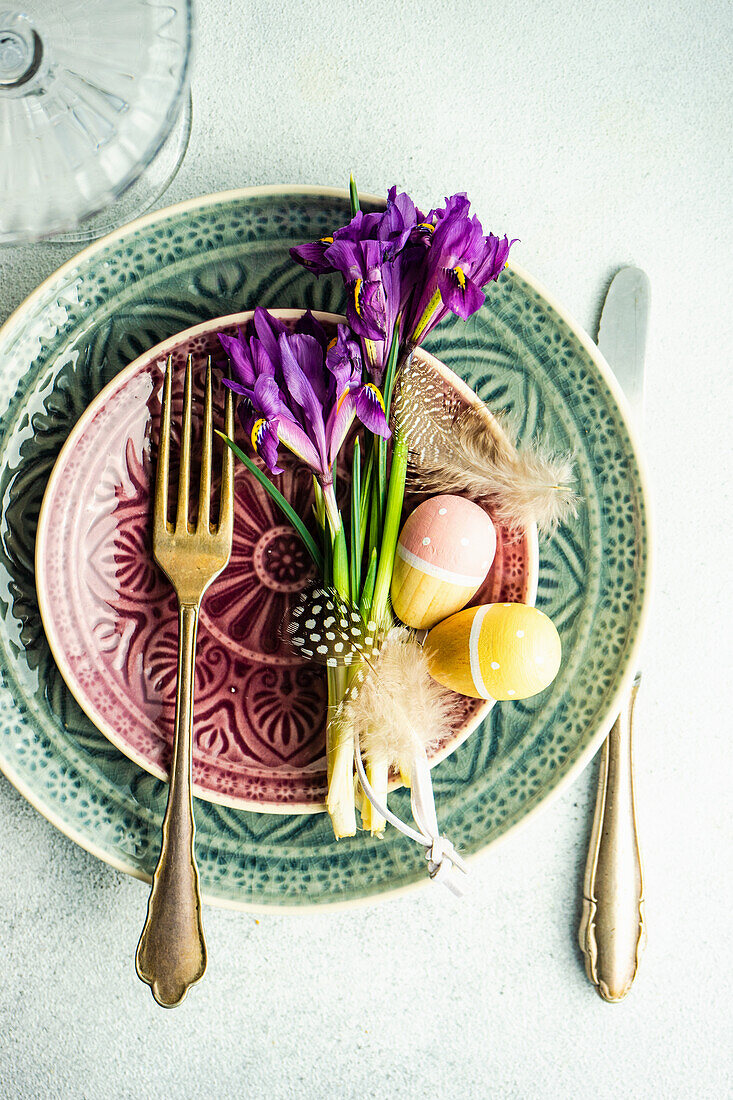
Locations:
(496, 651)
(444, 553)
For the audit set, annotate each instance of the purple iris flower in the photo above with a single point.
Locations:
(313, 255)
(371, 255)
(401, 266)
(301, 391)
(457, 262)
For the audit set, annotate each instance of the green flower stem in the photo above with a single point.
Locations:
(367, 592)
(353, 196)
(391, 528)
(319, 504)
(327, 557)
(340, 564)
(289, 513)
(332, 509)
(390, 370)
(375, 514)
(390, 373)
(366, 489)
(382, 474)
(356, 540)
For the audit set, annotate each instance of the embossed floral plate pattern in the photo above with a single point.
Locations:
(111, 617)
(220, 255)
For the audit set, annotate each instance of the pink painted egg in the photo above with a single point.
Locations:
(444, 553)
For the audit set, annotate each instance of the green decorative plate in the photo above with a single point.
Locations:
(226, 253)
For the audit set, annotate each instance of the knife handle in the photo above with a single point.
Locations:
(612, 930)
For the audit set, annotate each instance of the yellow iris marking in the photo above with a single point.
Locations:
(332, 343)
(256, 429)
(371, 349)
(357, 289)
(377, 393)
(460, 275)
(326, 240)
(426, 225)
(427, 316)
(341, 399)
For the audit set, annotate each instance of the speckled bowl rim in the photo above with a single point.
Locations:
(105, 727)
(632, 661)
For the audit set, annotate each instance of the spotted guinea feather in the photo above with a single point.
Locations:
(326, 628)
(454, 449)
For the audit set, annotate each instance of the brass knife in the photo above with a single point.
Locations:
(612, 930)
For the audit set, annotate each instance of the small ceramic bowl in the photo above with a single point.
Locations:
(110, 615)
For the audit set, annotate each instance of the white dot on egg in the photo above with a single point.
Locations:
(426, 541)
(510, 691)
(464, 541)
(442, 511)
(495, 665)
(539, 659)
(520, 633)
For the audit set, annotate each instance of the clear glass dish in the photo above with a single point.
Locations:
(94, 106)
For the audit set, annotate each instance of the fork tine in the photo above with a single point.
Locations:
(205, 481)
(184, 475)
(226, 505)
(160, 509)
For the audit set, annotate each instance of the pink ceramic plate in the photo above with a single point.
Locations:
(110, 616)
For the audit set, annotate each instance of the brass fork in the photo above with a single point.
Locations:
(171, 954)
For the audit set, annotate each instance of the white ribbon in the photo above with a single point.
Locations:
(442, 857)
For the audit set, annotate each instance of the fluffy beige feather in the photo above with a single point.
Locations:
(397, 708)
(455, 450)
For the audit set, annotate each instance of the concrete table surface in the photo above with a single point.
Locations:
(600, 135)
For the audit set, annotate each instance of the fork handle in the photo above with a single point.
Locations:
(171, 954)
(612, 930)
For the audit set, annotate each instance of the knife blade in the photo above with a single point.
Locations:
(612, 931)
(622, 334)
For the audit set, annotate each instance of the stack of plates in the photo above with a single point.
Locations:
(85, 721)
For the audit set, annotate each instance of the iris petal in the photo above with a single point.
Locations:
(369, 407)
(297, 441)
(302, 392)
(337, 426)
(241, 361)
(460, 294)
(264, 439)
